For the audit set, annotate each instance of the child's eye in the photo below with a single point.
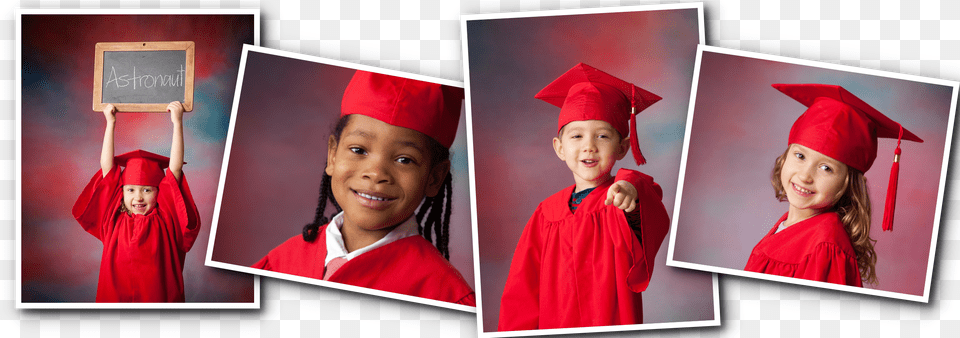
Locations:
(798, 155)
(358, 150)
(826, 168)
(602, 136)
(405, 160)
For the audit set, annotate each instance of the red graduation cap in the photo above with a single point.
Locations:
(429, 108)
(586, 93)
(142, 167)
(840, 125)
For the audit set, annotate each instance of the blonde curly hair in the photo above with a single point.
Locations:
(853, 207)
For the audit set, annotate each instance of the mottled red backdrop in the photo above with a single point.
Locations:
(510, 60)
(740, 126)
(62, 138)
(288, 108)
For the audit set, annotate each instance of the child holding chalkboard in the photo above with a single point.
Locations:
(388, 153)
(146, 219)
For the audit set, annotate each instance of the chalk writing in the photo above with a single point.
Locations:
(145, 80)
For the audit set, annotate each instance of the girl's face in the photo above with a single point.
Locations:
(380, 173)
(139, 199)
(813, 182)
(590, 149)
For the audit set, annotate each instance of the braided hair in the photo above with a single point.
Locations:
(433, 216)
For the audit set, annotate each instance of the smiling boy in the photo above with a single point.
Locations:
(587, 252)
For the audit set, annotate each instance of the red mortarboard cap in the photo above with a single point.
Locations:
(142, 167)
(586, 93)
(840, 125)
(429, 108)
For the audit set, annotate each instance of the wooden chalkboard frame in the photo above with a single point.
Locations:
(158, 107)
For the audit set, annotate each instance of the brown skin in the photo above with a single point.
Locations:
(379, 175)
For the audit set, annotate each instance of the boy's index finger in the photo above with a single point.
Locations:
(611, 193)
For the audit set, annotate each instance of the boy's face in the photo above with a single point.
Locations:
(590, 149)
(812, 181)
(139, 199)
(380, 173)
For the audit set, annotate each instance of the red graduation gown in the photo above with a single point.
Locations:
(410, 266)
(585, 268)
(817, 249)
(142, 254)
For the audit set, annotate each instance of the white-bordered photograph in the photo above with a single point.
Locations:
(346, 176)
(106, 216)
(575, 137)
(813, 173)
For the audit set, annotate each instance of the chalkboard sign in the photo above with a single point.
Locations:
(143, 76)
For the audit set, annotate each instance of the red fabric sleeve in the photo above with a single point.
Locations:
(468, 300)
(263, 264)
(98, 201)
(827, 263)
(176, 198)
(520, 304)
(654, 226)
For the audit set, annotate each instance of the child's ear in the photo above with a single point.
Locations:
(623, 148)
(435, 180)
(558, 148)
(331, 155)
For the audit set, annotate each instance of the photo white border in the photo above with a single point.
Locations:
(18, 170)
(226, 162)
(473, 184)
(791, 280)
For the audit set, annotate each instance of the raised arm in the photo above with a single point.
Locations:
(176, 146)
(106, 153)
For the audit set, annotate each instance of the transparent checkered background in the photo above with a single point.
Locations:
(922, 37)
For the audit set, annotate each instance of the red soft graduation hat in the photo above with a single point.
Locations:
(840, 125)
(142, 167)
(586, 93)
(429, 108)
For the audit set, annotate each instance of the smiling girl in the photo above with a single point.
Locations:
(146, 219)
(825, 234)
(388, 154)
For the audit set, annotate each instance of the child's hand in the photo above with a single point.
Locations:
(623, 195)
(110, 113)
(176, 112)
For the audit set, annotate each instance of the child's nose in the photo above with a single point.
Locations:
(591, 145)
(807, 172)
(377, 171)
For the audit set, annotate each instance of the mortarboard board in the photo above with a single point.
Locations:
(429, 108)
(840, 125)
(586, 93)
(142, 167)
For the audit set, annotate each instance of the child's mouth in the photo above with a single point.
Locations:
(589, 163)
(800, 190)
(140, 207)
(373, 200)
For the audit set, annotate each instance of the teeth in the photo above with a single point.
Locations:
(371, 197)
(801, 189)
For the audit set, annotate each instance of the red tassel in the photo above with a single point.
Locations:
(891, 203)
(634, 144)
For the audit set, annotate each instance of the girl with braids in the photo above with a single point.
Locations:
(388, 154)
(825, 234)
